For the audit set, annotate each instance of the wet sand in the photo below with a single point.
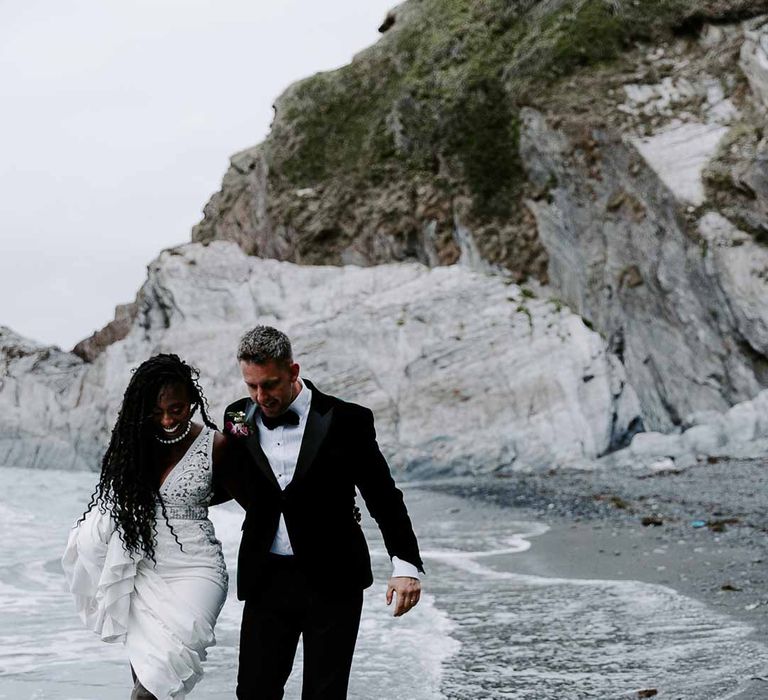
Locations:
(702, 532)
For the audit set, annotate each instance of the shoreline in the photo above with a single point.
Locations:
(484, 519)
(700, 531)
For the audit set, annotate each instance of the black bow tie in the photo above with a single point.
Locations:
(287, 418)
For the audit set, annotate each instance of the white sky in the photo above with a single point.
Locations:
(117, 119)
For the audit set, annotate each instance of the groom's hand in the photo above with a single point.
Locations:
(407, 591)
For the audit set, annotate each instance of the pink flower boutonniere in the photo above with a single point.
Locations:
(235, 425)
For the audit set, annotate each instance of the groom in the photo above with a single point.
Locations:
(298, 456)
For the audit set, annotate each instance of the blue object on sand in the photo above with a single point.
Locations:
(698, 523)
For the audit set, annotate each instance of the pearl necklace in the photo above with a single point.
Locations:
(173, 441)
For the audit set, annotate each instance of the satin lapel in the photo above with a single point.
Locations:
(254, 447)
(314, 434)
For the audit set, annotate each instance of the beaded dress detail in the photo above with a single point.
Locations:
(163, 611)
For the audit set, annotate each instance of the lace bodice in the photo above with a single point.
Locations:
(190, 482)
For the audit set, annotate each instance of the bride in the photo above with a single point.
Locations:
(143, 562)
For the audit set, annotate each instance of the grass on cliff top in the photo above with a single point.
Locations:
(444, 89)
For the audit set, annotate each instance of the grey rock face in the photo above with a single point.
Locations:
(736, 177)
(641, 197)
(754, 57)
(636, 243)
(741, 431)
(757, 181)
(90, 348)
(612, 211)
(621, 255)
(238, 212)
(739, 267)
(41, 409)
(465, 372)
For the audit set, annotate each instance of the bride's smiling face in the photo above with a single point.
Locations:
(172, 412)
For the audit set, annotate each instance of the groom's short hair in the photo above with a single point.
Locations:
(264, 343)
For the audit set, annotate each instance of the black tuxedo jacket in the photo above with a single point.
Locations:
(338, 453)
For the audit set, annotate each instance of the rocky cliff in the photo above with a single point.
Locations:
(520, 231)
(612, 149)
(464, 371)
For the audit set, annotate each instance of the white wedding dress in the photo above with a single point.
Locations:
(163, 612)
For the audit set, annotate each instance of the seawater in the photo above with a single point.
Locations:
(479, 632)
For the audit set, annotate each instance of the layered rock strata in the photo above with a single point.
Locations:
(612, 154)
(465, 372)
(41, 401)
(686, 314)
(585, 144)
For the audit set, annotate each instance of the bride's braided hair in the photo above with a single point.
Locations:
(128, 485)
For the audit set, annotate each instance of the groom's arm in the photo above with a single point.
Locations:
(383, 499)
(385, 504)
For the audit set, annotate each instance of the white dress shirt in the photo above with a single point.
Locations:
(281, 446)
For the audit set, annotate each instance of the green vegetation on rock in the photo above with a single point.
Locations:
(412, 151)
(440, 94)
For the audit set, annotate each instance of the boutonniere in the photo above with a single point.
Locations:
(235, 425)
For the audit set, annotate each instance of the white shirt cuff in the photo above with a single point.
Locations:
(404, 568)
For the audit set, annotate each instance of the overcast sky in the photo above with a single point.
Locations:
(118, 119)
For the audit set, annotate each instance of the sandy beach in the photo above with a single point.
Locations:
(700, 531)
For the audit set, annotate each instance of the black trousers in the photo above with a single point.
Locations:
(287, 606)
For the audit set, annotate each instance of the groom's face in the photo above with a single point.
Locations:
(273, 385)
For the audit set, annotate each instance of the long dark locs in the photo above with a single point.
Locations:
(128, 486)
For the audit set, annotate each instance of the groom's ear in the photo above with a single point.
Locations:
(294, 371)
